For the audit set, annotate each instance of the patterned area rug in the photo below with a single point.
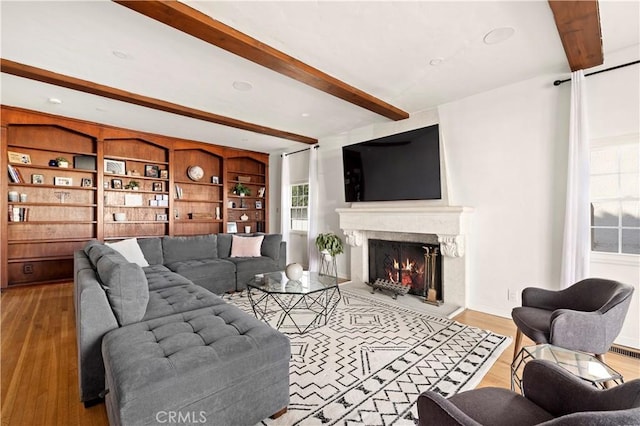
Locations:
(368, 365)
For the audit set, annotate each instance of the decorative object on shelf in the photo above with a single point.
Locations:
(86, 182)
(243, 203)
(157, 186)
(133, 173)
(134, 185)
(164, 174)
(247, 229)
(62, 162)
(116, 183)
(261, 191)
(62, 196)
(178, 192)
(244, 179)
(23, 198)
(114, 166)
(18, 157)
(37, 179)
(231, 205)
(119, 217)
(244, 217)
(161, 217)
(151, 170)
(241, 190)
(258, 204)
(53, 163)
(232, 228)
(293, 271)
(84, 162)
(218, 213)
(195, 173)
(62, 181)
(215, 179)
(329, 245)
(14, 196)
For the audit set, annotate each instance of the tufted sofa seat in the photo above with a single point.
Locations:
(209, 362)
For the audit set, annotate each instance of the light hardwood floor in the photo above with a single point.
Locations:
(38, 358)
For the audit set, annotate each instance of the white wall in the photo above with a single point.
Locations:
(506, 153)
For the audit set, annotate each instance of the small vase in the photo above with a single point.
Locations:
(293, 271)
(63, 164)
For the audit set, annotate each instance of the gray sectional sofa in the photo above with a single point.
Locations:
(158, 339)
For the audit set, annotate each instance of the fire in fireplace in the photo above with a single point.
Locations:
(416, 266)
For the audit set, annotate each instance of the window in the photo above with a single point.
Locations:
(299, 207)
(615, 197)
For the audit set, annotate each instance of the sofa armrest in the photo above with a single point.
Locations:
(434, 409)
(282, 260)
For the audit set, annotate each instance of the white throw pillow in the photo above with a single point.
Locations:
(246, 246)
(130, 250)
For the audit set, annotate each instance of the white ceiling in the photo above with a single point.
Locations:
(381, 47)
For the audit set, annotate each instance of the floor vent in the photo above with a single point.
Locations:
(623, 350)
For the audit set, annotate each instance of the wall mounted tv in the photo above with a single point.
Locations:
(405, 166)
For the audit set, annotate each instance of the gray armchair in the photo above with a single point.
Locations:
(585, 317)
(552, 396)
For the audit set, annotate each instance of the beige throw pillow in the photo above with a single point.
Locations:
(246, 246)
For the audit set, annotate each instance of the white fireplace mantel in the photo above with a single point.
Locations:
(408, 222)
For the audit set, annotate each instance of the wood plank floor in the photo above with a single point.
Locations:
(39, 378)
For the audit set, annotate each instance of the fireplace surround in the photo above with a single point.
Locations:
(446, 226)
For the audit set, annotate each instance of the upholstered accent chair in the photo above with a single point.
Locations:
(552, 396)
(586, 316)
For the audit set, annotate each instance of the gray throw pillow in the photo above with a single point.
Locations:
(126, 287)
(152, 249)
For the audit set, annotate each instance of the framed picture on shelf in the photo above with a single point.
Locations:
(62, 181)
(116, 183)
(258, 204)
(157, 186)
(115, 167)
(232, 228)
(86, 182)
(18, 157)
(164, 174)
(161, 216)
(215, 179)
(151, 170)
(37, 179)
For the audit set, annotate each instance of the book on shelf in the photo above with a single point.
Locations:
(13, 174)
(178, 192)
(18, 214)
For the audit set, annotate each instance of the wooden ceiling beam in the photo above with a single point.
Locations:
(578, 24)
(39, 74)
(197, 24)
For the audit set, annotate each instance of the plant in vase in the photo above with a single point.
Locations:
(133, 185)
(241, 190)
(329, 245)
(62, 162)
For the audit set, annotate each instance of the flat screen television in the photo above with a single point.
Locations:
(404, 166)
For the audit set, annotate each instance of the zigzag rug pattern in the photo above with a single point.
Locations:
(368, 365)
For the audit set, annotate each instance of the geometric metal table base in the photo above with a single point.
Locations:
(312, 299)
(580, 364)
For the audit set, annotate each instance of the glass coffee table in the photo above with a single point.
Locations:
(580, 364)
(299, 305)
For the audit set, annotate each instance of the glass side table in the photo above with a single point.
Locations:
(580, 364)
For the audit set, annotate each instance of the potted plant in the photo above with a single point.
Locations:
(241, 190)
(329, 244)
(62, 162)
(133, 185)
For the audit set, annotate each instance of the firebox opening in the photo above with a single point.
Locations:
(417, 266)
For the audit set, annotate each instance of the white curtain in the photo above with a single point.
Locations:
(312, 229)
(285, 199)
(576, 247)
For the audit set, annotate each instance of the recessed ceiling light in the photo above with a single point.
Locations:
(54, 101)
(243, 86)
(121, 55)
(436, 61)
(498, 35)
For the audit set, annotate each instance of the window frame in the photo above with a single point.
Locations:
(298, 207)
